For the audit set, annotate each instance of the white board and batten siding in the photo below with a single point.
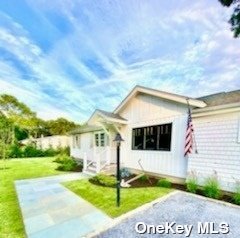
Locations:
(145, 110)
(218, 145)
(84, 145)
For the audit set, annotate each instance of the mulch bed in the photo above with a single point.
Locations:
(152, 182)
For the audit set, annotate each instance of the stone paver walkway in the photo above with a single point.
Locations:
(50, 210)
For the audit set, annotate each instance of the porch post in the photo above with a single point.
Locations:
(98, 164)
(84, 161)
(108, 155)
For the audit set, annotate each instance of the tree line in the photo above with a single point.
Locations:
(24, 123)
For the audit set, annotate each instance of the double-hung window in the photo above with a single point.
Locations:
(157, 137)
(100, 139)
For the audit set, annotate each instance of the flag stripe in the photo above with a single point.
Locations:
(189, 135)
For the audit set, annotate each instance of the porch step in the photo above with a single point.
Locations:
(109, 169)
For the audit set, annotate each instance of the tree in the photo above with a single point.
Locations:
(5, 136)
(19, 114)
(235, 18)
(60, 126)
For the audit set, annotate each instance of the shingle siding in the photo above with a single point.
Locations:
(218, 149)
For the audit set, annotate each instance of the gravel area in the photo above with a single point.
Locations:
(183, 209)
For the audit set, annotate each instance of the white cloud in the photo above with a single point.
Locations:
(152, 43)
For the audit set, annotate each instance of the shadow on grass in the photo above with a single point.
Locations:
(2, 168)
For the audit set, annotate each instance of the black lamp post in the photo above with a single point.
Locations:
(118, 139)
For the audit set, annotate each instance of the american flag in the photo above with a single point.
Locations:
(189, 135)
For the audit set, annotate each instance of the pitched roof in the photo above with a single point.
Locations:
(161, 94)
(84, 129)
(221, 98)
(111, 115)
(114, 117)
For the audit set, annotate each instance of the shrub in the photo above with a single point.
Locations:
(15, 151)
(164, 183)
(32, 151)
(105, 180)
(125, 173)
(192, 183)
(67, 164)
(236, 195)
(61, 158)
(211, 187)
(144, 178)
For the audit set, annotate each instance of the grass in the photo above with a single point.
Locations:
(11, 224)
(105, 198)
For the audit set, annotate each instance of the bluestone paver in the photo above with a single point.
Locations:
(50, 210)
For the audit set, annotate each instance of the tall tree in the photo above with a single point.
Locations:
(18, 113)
(5, 136)
(235, 18)
(60, 126)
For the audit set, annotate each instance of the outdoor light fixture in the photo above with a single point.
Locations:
(118, 139)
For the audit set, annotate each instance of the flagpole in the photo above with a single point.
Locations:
(193, 133)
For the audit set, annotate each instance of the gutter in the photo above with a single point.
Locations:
(213, 110)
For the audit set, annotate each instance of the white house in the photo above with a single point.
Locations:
(153, 125)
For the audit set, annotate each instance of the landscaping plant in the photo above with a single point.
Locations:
(236, 195)
(165, 183)
(211, 187)
(125, 173)
(192, 183)
(104, 180)
(66, 163)
(144, 178)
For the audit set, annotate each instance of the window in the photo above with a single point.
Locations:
(100, 139)
(152, 137)
(77, 141)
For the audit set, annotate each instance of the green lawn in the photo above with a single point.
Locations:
(105, 198)
(11, 224)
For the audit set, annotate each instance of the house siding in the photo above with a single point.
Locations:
(145, 110)
(86, 144)
(218, 149)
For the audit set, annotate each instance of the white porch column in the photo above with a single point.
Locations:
(84, 161)
(108, 155)
(98, 164)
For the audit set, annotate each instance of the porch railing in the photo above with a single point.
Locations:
(99, 159)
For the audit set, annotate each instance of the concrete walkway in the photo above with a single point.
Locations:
(50, 210)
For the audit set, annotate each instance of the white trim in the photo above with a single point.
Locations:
(161, 94)
(227, 108)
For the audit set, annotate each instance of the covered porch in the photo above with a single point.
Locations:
(97, 148)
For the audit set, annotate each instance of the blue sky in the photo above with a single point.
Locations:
(66, 58)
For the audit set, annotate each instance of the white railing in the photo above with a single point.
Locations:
(100, 159)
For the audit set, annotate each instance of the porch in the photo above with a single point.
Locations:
(96, 147)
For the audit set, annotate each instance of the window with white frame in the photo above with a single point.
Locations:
(100, 139)
(77, 141)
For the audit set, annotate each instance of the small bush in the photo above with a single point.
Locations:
(236, 195)
(32, 151)
(125, 173)
(192, 183)
(211, 188)
(14, 151)
(144, 178)
(67, 163)
(61, 158)
(105, 180)
(164, 183)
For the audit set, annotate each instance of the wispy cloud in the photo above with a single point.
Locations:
(90, 54)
